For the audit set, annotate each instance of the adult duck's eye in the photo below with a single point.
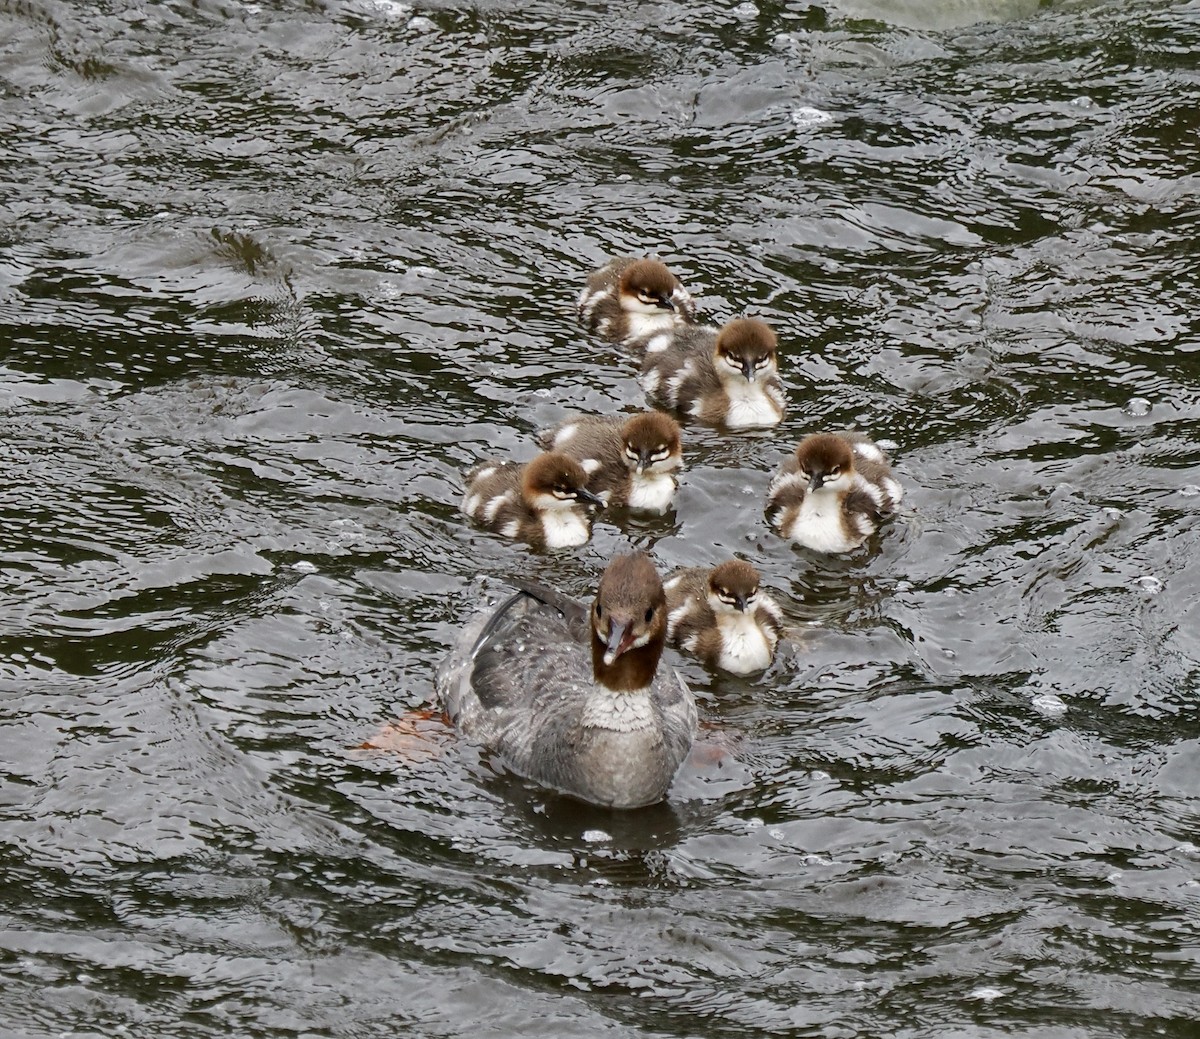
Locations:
(599, 611)
(649, 614)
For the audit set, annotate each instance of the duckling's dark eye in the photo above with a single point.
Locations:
(649, 614)
(836, 471)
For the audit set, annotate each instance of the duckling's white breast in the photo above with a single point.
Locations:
(565, 528)
(651, 492)
(750, 404)
(745, 646)
(819, 525)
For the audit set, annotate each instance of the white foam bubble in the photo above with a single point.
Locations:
(805, 117)
(1149, 585)
(387, 8)
(1137, 407)
(1049, 705)
(985, 992)
(596, 836)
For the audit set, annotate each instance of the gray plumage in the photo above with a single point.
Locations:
(523, 681)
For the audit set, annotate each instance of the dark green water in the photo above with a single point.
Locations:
(272, 274)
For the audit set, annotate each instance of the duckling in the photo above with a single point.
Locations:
(723, 377)
(833, 493)
(571, 697)
(627, 298)
(631, 460)
(723, 617)
(541, 502)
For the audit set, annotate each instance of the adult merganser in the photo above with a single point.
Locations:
(571, 697)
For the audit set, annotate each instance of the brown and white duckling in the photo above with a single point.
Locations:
(631, 461)
(627, 298)
(722, 616)
(572, 697)
(723, 377)
(542, 502)
(833, 493)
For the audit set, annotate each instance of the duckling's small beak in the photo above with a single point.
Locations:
(584, 495)
(740, 602)
(816, 481)
(666, 302)
(620, 638)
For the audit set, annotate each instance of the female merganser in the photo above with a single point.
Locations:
(630, 461)
(723, 617)
(727, 377)
(542, 502)
(571, 697)
(627, 298)
(833, 493)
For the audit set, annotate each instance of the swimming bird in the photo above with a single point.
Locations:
(722, 616)
(630, 461)
(543, 502)
(572, 697)
(833, 493)
(723, 377)
(628, 297)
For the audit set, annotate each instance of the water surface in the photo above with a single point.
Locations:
(272, 275)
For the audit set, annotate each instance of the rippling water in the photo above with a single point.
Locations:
(272, 275)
